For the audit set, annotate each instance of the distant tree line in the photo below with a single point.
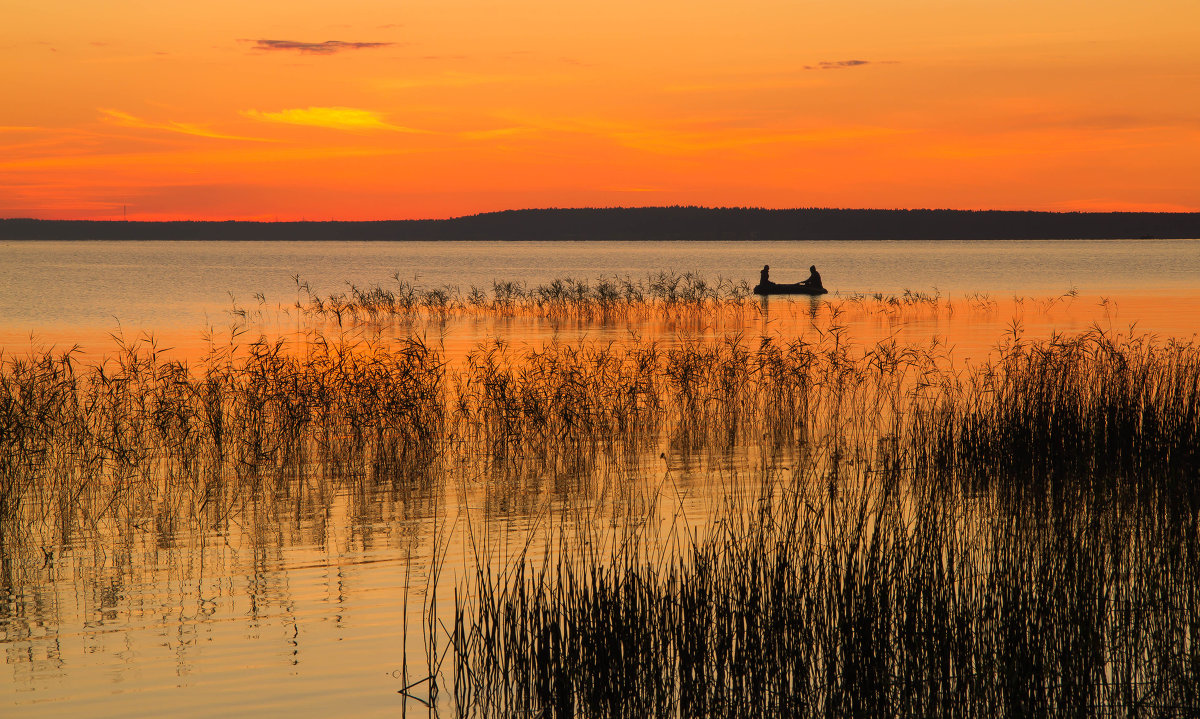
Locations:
(653, 224)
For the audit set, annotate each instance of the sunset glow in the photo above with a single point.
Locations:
(379, 110)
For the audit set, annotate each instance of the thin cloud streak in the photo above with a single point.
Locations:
(190, 158)
(328, 47)
(846, 64)
(335, 118)
(124, 119)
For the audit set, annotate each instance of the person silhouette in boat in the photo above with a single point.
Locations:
(764, 280)
(814, 278)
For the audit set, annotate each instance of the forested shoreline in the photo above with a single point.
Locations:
(650, 224)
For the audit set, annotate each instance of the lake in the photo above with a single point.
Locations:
(63, 291)
(292, 604)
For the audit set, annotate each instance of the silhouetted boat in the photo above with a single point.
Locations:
(796, 288)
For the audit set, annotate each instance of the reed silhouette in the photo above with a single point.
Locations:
(913, 537)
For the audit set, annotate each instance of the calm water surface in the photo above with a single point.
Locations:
(64, 290)
(297, 611)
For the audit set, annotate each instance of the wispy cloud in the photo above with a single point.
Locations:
(844, 64)
(192, 158)
(124, 119)
(328, 47)
(336, 118)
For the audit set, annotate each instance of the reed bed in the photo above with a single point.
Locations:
(1078, 415)
(1023, 541)
(142, 440)
(140, 435)
(875, 601)
(1018, 536)
(604, 298)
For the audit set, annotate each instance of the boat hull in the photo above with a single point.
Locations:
(796, 288)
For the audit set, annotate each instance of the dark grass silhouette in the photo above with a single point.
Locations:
(918, 539)
(1028, 545)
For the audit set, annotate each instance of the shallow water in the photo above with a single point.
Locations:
(70, 292)
(296, 610)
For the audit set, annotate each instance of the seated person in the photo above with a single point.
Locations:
(814, 277)
(764, 280)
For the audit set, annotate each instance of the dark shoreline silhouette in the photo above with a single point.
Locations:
(651, 224)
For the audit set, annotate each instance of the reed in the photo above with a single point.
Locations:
(139, 436)
(1028, 543)
(902, 535)
(1117, 415)
(876, 601)
(606, 297)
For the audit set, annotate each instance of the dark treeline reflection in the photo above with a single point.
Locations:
(902, 535)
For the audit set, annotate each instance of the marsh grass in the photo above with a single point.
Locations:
(603, 297)
(684, 300)
(902, 535)
(1023, 540)
(902, 589)
(874, 602)
(140, 439)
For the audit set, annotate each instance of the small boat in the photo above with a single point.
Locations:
(796, 288)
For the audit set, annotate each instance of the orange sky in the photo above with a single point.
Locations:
(436, 108)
